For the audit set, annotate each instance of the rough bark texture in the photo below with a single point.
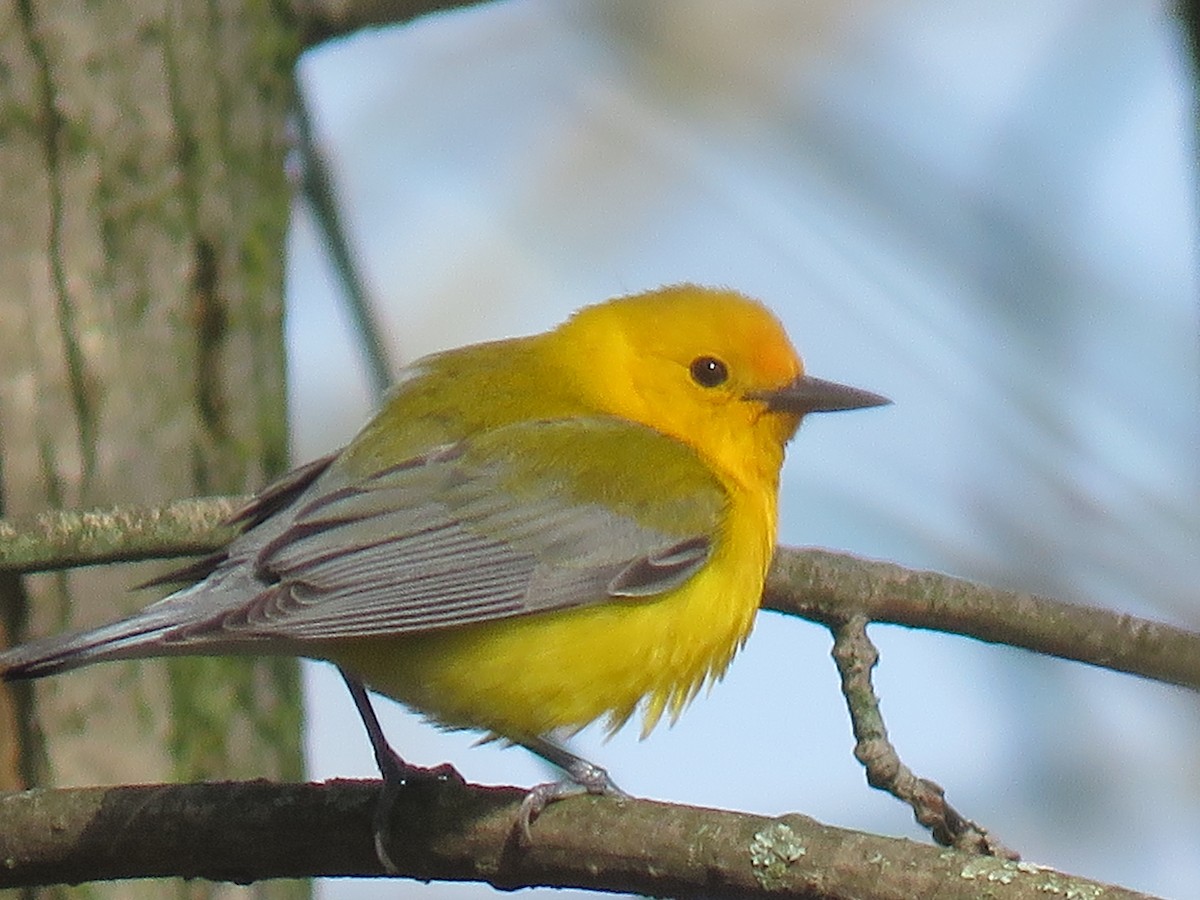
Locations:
(447, 830)
(142, 214)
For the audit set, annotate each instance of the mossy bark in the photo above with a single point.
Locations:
(143, 207)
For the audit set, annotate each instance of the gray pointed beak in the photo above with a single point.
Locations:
(808, 395)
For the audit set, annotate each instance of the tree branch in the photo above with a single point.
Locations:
(322, 20)
(830, 587)
(817, 585)
(247, 831)
(316, 182)
(64, 539)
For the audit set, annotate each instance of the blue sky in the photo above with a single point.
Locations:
(984, 211)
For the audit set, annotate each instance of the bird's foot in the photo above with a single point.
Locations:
(397, 777)
(583, 777)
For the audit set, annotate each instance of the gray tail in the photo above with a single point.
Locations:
(138, 636)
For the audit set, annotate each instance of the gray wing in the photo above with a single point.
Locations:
(486, 528)
(440, 542)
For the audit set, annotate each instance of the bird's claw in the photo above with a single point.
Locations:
(585, 778)
(398, 775)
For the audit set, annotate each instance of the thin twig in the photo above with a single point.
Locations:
(316, 182)
(856, 656)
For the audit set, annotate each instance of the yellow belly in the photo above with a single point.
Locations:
(530, 675)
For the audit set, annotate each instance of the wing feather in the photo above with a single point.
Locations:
(526, 518)
(485, 528)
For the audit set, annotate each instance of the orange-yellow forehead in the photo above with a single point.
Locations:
(686, 321)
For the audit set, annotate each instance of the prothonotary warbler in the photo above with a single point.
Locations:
(531, 535)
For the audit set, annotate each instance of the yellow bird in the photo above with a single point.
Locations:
(531, 535)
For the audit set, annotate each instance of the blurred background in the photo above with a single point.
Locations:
(985, 211)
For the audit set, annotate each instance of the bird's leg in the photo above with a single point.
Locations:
(583, 777)
(392, 769)
(396, 773)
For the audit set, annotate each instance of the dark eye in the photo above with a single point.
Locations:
(708, 371)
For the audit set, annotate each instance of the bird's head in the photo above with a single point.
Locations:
(712, 368)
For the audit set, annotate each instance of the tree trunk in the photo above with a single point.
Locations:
(142, 215)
